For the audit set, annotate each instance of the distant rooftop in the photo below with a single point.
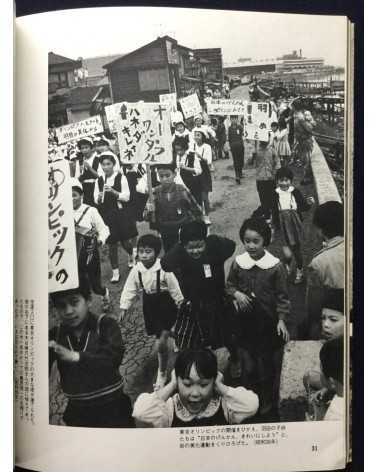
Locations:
(57, 59)
(94, 65)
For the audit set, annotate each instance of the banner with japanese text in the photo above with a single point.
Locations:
(144, 133)
(80, 129)
(62, 260)
(190, 105)
(256, 121)
(169, 100)
(225, 107)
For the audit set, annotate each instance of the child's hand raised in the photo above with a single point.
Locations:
(220, 387)
(173, 381)
(282, 331)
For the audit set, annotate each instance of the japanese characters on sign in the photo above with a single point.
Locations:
(224, 107)
(62, 261)
(256, 121)
(80, 129)
(144, 133)
(190, 105)
(170, 100)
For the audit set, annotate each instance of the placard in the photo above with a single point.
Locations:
(256, 121)
(169, 100)
(144, 133)
(225, 107)
(80, 129)
(62, 260)
(190, 105)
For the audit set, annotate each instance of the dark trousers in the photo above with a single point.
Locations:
(93, 272)
(238, 158)
(265, 189)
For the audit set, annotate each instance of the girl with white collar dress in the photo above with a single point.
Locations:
(257, 282)
(288, 205)
(195, 396)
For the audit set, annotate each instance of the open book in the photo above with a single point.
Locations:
(186, 295)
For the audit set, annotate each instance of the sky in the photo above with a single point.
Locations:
(102, 31)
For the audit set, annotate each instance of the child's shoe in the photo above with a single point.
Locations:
(299, 277)
(115, 277)
(161, 380)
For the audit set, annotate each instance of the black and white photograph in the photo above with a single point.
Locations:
(197, 218)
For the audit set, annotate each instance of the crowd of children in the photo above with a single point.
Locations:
(188, 299)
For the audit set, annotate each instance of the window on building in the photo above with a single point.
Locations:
(59, 79)
(153, 79)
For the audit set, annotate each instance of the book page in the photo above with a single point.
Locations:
(183, 200)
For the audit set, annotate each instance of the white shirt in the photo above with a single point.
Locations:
(124, 195)
(336, 409)
(286, 199)
(168, 283)
(238, 404)
(205, 152)
(92, 221)
(181, 161)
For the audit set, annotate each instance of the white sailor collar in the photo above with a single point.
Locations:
(289, 190)
(141, 267)
(183, 414)
(245, 261)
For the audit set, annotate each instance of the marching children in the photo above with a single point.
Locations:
(235, 139)
(288, 205)
(88, 351)
(89, 169)
(91, 232)
(257, 281)
(161, 298)
(199, 262)
(174, 206)
(103, 146)
(204, 154)
(267, 163)
(273, 136)
(195, 396)
(111, 193)
(283, 146)
(189, 167)
(182, 133)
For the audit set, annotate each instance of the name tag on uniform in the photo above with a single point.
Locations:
(207, 271)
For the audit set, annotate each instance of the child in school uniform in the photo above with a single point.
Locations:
(257, 282)
(195, 396)
(288, 205)
(111, 193)
(161, 298)
(182, 133)
(91, 232)
(89, 164)
(189, 168)
(103, 146)
(235, 139)
(199, 260)
(267, 162)
(203, 152)
(174, 206)
(283, 146)
(88, 350)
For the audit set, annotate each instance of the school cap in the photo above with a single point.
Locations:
(108, 155)
(176, 117)
(334, 299)
(86, 140)
(198, 129)
(198, 117)
(102, 140)
(76, 184)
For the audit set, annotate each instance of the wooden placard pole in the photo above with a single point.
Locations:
(150, 193)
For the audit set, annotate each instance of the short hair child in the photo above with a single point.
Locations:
(204, 361)
(88, 351)
(259, 225)
(284, 173)
(161, 298)
(332, 360)
(194, 231)
(329, 218)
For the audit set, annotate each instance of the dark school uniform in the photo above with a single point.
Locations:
(93, 385)
(88, 180)
(235, 138)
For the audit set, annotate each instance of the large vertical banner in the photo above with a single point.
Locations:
(62, 261)
(144, 132)
(256, 121)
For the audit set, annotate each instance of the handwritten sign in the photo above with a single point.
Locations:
(256, 121)
(190, 105)
(169, 100)
(144, 133)
(62, 260)
(225, 107)
(80, 129)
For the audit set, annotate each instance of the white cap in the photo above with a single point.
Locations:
(176, 117)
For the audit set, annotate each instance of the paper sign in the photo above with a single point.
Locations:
(256, 121)
(144, 133)
(62, 260)
(225, 107)
(190, 105)
(170, 100)
(80, 129)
